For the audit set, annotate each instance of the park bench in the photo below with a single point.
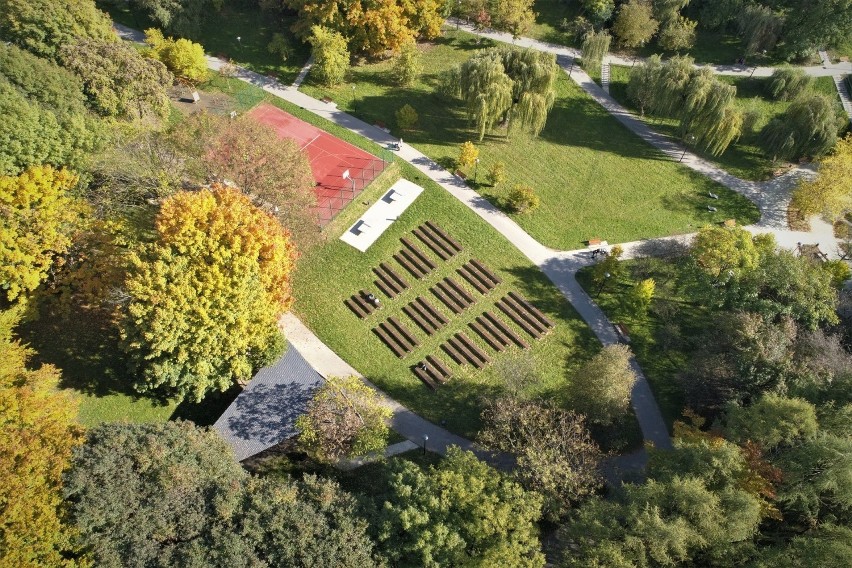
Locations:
(421, 256)
(531, 309)
(486, 272)
(389, 281)
(405, 259)
(487, 337)
(396, 336)
(520, 321)
(623, 332)
(463, 351)
(472, 279)
(425, 315)
(506, 330)
(434, 244)
(452, 295)
(594, 242)
(432, 372)
(362, 304)
(447, 238)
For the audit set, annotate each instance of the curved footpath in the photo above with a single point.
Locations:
(771, 198)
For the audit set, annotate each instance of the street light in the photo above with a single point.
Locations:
(690, 138)
(600, 288)
(354, 108)
(425, 439)
(458, 13)
(475, 169)
(239, 41)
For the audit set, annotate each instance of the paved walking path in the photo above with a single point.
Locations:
(390, 451)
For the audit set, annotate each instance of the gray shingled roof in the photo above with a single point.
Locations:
(265, 412)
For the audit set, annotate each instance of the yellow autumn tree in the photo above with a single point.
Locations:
(830, 192)
(37, 435)
(38, 216)
(205, 297)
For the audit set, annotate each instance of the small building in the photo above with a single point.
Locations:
(265, 413)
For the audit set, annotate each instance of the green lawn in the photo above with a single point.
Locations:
(595, 178)
(660, 365)
(220, 30)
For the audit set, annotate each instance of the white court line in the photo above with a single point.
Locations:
(312, 141)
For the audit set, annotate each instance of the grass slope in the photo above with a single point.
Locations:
(595, 178)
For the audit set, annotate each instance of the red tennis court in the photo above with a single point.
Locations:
(340, 169)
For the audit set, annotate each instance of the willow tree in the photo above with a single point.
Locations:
(507, 84)
(808, 128)
(595, 47)
(709, 112)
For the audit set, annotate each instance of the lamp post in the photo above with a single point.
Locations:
(458, 13)
(690, 138)
(425, 439)
(475, 169)
(603, 282)
(240, 41)
(354, 108)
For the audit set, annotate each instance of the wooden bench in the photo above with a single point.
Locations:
(526, 315)
(453, 295)
(532, 309)
(485, 271)
(382, 333)
(396, 336)
(359, 304)
(506, 330)
(419, 254)
(622, 331)
(594, 242)
(519, 321)
(435, 372)
(425, 315)
(435, 245)
(447, 238)
(404, 332)
(477, 357)
(389, 282)
(472, 279)
(464, 294)
(485, 334)
(405, 261)
(446, 299)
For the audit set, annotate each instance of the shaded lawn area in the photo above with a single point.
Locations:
(84, 346)
(219, 32)
(673, 306)
(594, 177)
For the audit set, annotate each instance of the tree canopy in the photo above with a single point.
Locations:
(830, 192)
(39, 216)
(635, 24)
(458, 513)
(181, 56)
(601, 388)
(118, 80)
(331, 55)
(345, 418)
(38, 432)
(508, 84)
(44, 26)
(205, 297)
(808, 127)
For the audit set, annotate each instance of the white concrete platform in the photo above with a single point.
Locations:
(381, 215)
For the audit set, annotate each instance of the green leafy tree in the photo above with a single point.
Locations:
(43, 81)
(172, 494)
(635, 24)
(496, 174)
(279, 45)
(710, 112)
(601, 388)
(205, 297)
(345, 418)
(181, 56)
(331, 55)
(523, 199)
(594, 49)
(665, 10)
(513, 16)
(37, 436)
(458, 513)
(771, 421)
(555, 453)
(830, 192)
(639, 299)
(677, 34)
(407, 65)
(808, 128)
(44, 26)
(722, 253)
(826, 545)
(760, 27)
(509, 84)
(39, 217)
(717, 14)
(118, 80)
(599, 11)
(407, 117)
(609, 268)
(178, 17)
(813, 24)
(788, 83)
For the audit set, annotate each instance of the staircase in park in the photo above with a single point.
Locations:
(843, 91)
(605, 76)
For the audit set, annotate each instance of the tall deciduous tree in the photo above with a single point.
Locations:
(760, 27)
(272, 170)
(555, 453)
(635, 24)
(407, 65)
(677, 34)
(44, 26)
(179, 17)
(513, 16)
(787, 83)
(599, 11)
(486, 89)
(458, 513)
(771, 421)
(830, 192)
(345, 418)
(118, 80)
(39, 215)
(331, 55)
(37, 435)
(205, 297)
(808, 128)
(812, 24)
(601, 388)
(181, 56)
(595, 48)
